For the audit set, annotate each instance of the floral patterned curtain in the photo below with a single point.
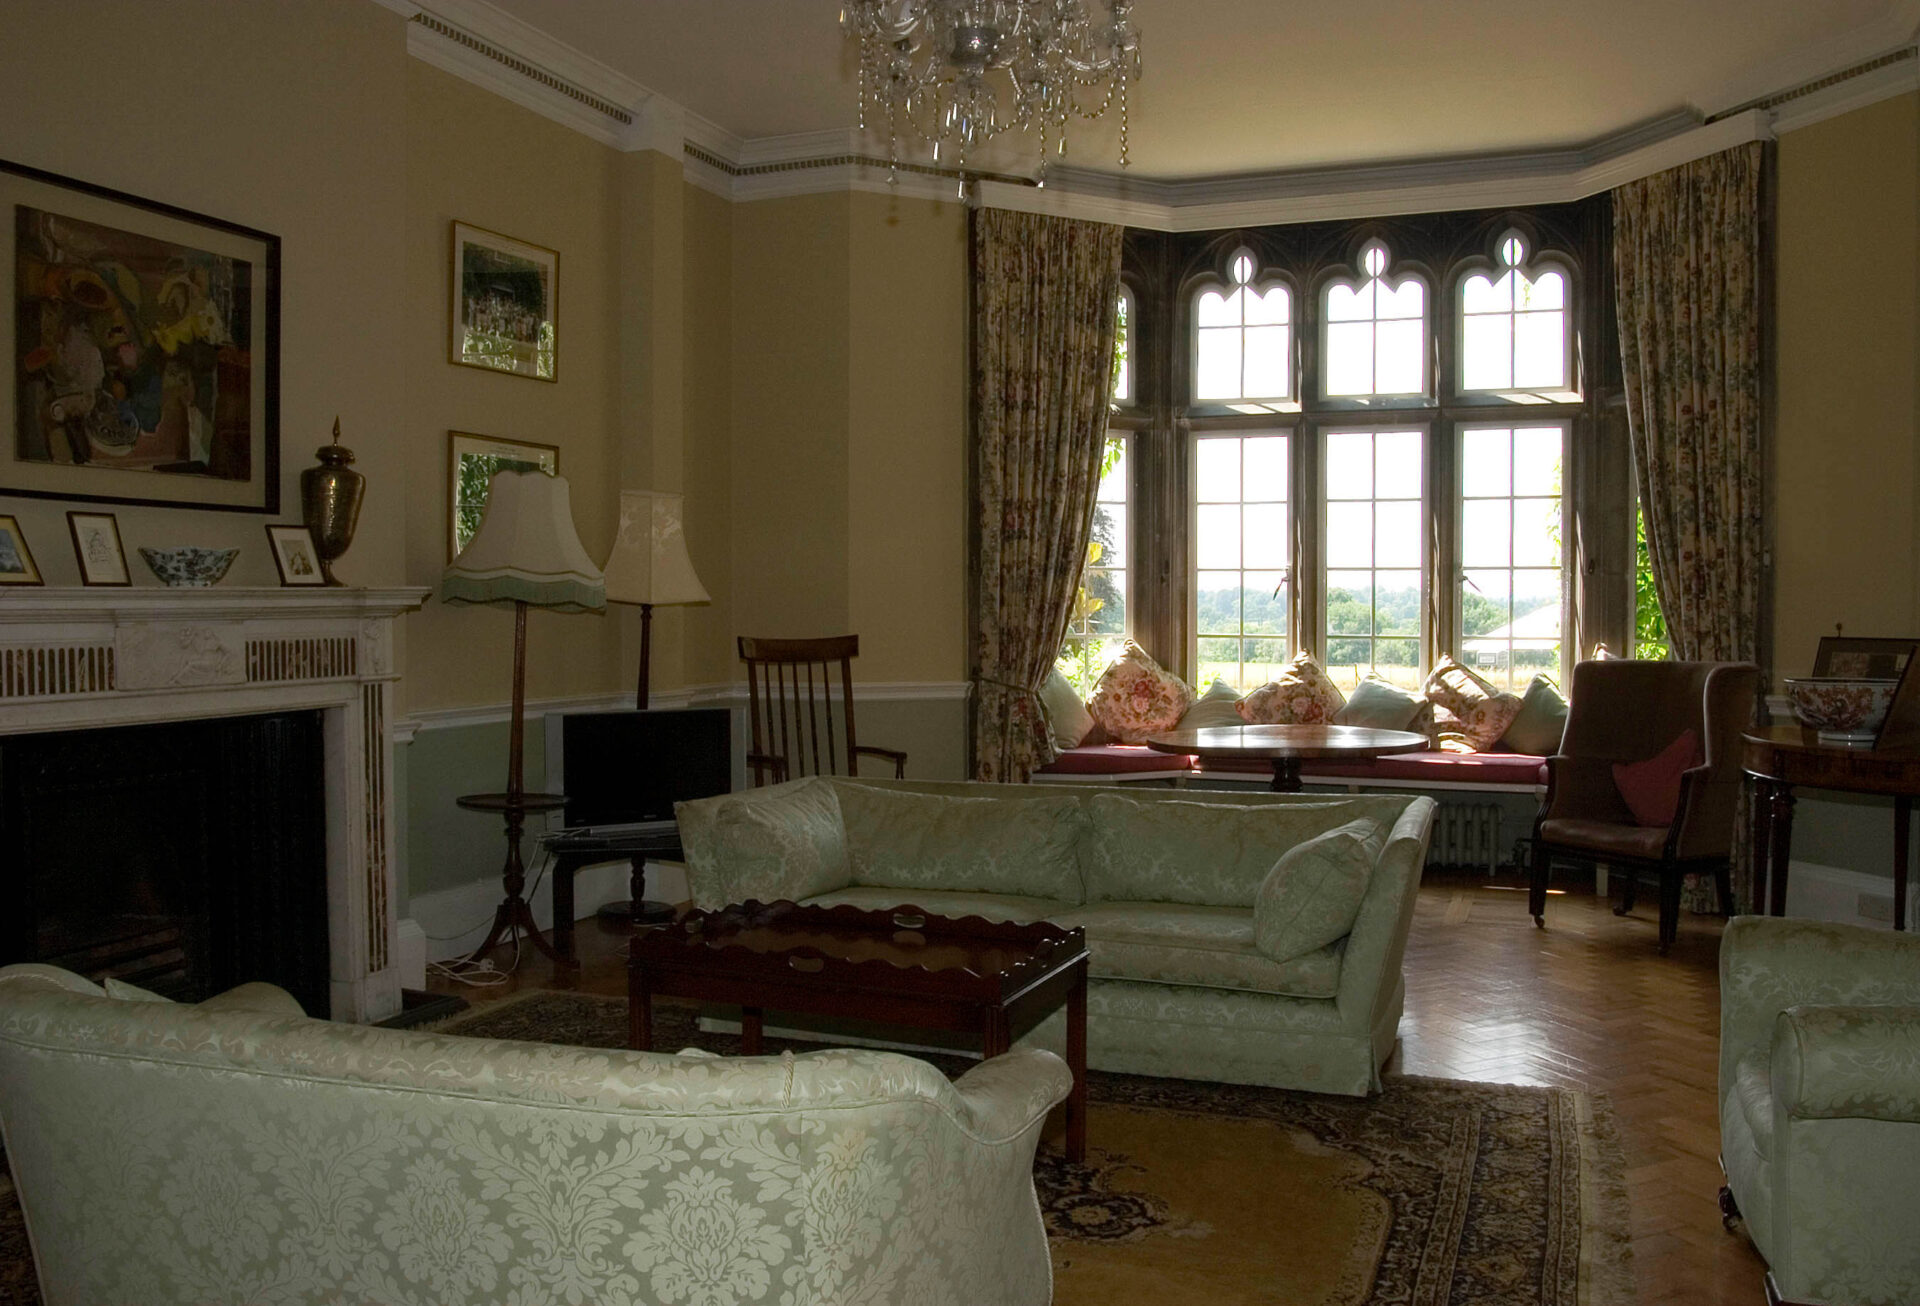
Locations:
(1045, 297)
(1687, 272)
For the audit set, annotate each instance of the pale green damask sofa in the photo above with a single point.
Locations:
(236, 1151)
(1820, 1105)
(1165, 885)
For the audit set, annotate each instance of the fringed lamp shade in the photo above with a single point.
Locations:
(526, 550)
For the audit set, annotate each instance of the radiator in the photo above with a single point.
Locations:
(1466, 834)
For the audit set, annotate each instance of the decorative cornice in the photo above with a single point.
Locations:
(483, 44)
(215, 603)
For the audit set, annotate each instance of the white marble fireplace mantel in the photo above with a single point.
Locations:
(78, 659)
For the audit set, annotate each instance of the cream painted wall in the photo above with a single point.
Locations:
(1847, 523)
(477, 158)
(707, 416)
(907, 438)
(279, 117)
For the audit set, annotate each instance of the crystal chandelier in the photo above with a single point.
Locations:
(957, 73)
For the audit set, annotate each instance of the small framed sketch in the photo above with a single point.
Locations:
(16, 564)
(504, 304)
(472, 462)
(1870, 659)
(96, 543)
(295, 556)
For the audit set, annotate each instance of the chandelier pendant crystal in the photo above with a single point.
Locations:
(957, 73)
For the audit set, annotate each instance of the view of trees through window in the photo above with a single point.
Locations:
(1098, 625)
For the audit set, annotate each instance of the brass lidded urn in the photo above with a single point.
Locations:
(330, 496)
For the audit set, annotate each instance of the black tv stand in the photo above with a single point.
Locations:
(572, 851)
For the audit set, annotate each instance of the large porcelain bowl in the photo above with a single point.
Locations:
(191, 566)
(1844, 710)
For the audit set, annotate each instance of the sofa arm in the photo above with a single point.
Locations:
(1852, 1062)
(257, 997)
(1007, 1095)
(1581, 789)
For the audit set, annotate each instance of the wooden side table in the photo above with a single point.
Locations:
(513, 910)
(1780, 757)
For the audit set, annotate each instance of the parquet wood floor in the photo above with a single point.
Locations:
(1587, 1002)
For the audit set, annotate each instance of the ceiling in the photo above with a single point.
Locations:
(1254, 86)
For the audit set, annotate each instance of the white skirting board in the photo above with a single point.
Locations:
(453, 922)
(1835, 893)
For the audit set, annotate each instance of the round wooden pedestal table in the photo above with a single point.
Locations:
(1287, 746)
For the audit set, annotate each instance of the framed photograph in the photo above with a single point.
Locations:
(505, 303)
(1901, 729)
(96, 543)
(295, 556)
(472, 461)
(16, 564)
(1876, 659)
(146, 345)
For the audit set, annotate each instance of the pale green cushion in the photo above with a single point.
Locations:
(1380, 704)
(121, 991)
(1312, 895)
(1207, 854)
(1541, 721)
(1213, 708)
(1027, 847)
(785, 847)
(1211, 947)
(1067, 717)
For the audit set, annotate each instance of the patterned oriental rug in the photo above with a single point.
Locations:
(1434, 1192)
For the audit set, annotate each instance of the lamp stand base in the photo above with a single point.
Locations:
(622, 912)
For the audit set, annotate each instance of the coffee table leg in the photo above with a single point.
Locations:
(750, 1031)
(1286, 775)
(1077, 1063)
(639, 1010)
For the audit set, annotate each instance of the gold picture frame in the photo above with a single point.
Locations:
(472, 462)
(16, 560)
(503, 305)
(294, 556)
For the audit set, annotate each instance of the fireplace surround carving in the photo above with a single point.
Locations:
(79, 659)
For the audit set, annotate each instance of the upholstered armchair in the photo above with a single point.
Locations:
(1631, 714)
(1820, 1106)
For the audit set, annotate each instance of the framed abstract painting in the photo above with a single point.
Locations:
(146, 345)
(504, 303)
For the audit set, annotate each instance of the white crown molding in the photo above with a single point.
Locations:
(1854, 93)
(1896, 27)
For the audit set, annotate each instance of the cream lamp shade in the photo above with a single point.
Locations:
(649, 562)
(526, 550)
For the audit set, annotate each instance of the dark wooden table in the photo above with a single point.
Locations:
(1780, 757)
(903, 967)
(572, 850)
(1287, 746)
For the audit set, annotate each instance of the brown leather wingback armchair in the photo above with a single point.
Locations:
(1624, 711)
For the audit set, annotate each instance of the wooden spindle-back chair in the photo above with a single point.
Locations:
(791, 685)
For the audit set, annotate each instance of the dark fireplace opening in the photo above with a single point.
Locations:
(184, 857)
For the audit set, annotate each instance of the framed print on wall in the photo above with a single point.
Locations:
(16, 563)
(472, 462)
(146, 343)
(504, 304)
(96, 543)
(295, 556)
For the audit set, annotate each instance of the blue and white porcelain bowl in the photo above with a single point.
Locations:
(191, 567)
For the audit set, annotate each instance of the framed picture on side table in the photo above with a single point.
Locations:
(96, 543)
(504, 306)
(472, 463)
(295, 556)
(1863, 659)
(16, 564)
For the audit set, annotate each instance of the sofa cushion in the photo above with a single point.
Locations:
(1067, 717)
(1382, 705)
(708, 879)
(1540, 722)
(1303, 694)
(1483, 712)
(1651, 788)
(1213, 708)
(1115, 759)
(1648, 841)
(1205, 854)
(941, 902)
(1029, 847)
(1137, 698)
(790, 846)
(1313, 893)
(1207, 947)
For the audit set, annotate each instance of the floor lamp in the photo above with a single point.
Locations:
(526, 553)
(649, 566)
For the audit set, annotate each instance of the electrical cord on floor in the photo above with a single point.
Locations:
(482, 972)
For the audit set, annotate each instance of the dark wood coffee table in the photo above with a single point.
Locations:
(902, 967)
(1287, 746)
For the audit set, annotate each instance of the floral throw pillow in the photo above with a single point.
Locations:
(1137, 697)
(1302, 696)
(1481, 712)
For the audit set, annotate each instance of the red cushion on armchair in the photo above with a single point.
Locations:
(1651, 788)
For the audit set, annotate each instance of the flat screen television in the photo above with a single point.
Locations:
(630, 768)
